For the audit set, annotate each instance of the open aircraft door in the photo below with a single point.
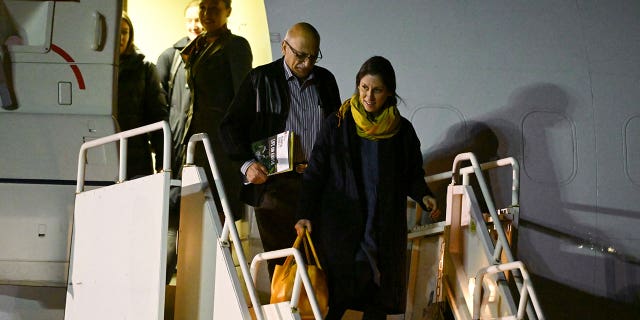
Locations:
(59, 82)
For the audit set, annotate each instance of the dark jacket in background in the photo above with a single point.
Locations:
(332, 199)
(141, 101)
(260, 110)
(173, 79)
(213, 81)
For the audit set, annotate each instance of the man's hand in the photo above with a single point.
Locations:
(257, 173)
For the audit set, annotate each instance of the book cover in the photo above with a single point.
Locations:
(275, 152)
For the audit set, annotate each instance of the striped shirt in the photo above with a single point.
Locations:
(304, 119)
(305, 114)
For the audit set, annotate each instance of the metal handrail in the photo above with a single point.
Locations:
(229, 228)
(122, 137)
(526, 291)
(301, 274)
(466, 171)
(502, 244)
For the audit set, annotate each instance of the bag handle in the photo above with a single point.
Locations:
(296, 244)
(313, 249)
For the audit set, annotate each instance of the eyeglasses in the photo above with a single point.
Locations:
(301, 57)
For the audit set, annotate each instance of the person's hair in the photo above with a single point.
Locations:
(380, 66)
(130, 48)
(227, 3)
(194, 3)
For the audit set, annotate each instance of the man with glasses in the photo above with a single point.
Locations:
(291, 93)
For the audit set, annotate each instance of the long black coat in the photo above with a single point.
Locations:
(141, 101)
(332, 199)
(213, 81)
(174, 81)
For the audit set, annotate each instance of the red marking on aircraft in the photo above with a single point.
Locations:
(74, 67)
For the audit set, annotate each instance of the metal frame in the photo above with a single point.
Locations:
(502, 244)
(229, 230)
(301, 274)
(122, 137)
(526, 292)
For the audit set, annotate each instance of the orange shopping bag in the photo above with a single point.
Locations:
(284, 276)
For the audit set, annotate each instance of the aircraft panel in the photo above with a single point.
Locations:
(538, 81)
(611, 33)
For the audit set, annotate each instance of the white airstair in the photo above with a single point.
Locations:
(471, 269)
(118, 254)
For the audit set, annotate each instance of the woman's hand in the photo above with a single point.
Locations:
(257, 173)
(432, 207)
(301, 225)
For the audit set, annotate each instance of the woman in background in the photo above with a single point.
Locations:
(364, 164)
(141, 101)
(216, 62)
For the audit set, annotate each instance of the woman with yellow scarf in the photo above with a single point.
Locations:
(364, 164)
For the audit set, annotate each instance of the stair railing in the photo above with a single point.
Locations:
(526, 291)
(502, 244)
(229, 227)
(123, 138)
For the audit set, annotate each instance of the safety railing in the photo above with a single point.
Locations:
(123, 137)
(301, 275)
(229, 228)
(419, 230)
(526, 291)
(502, 243)
(466, 171)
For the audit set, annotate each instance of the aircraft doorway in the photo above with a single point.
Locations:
(160, 23)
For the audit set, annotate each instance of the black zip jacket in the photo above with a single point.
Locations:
(260, 109)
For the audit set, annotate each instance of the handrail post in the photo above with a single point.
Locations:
(229, 228)
(485, 193)
(301, 274)
(502, 244)
(527, 291)
(122, 172)
(122, 137)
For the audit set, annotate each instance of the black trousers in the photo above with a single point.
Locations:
(366, 297)
(276, 215)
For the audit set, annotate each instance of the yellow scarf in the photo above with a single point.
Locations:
(382, 126)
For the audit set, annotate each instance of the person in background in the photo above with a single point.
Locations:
(8, 36)
(141, 101)
(291, 93)
(216, 61)
(174, 81)
(365, 163)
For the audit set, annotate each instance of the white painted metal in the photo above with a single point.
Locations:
(502, 238)
(473, 248)
(502, 244)
(301, 275)
(62, 96)
(229, 228)
(122, 138)
(526, 291)
(207, 285)
(466, 171)
(198, 296)
(118, 251)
